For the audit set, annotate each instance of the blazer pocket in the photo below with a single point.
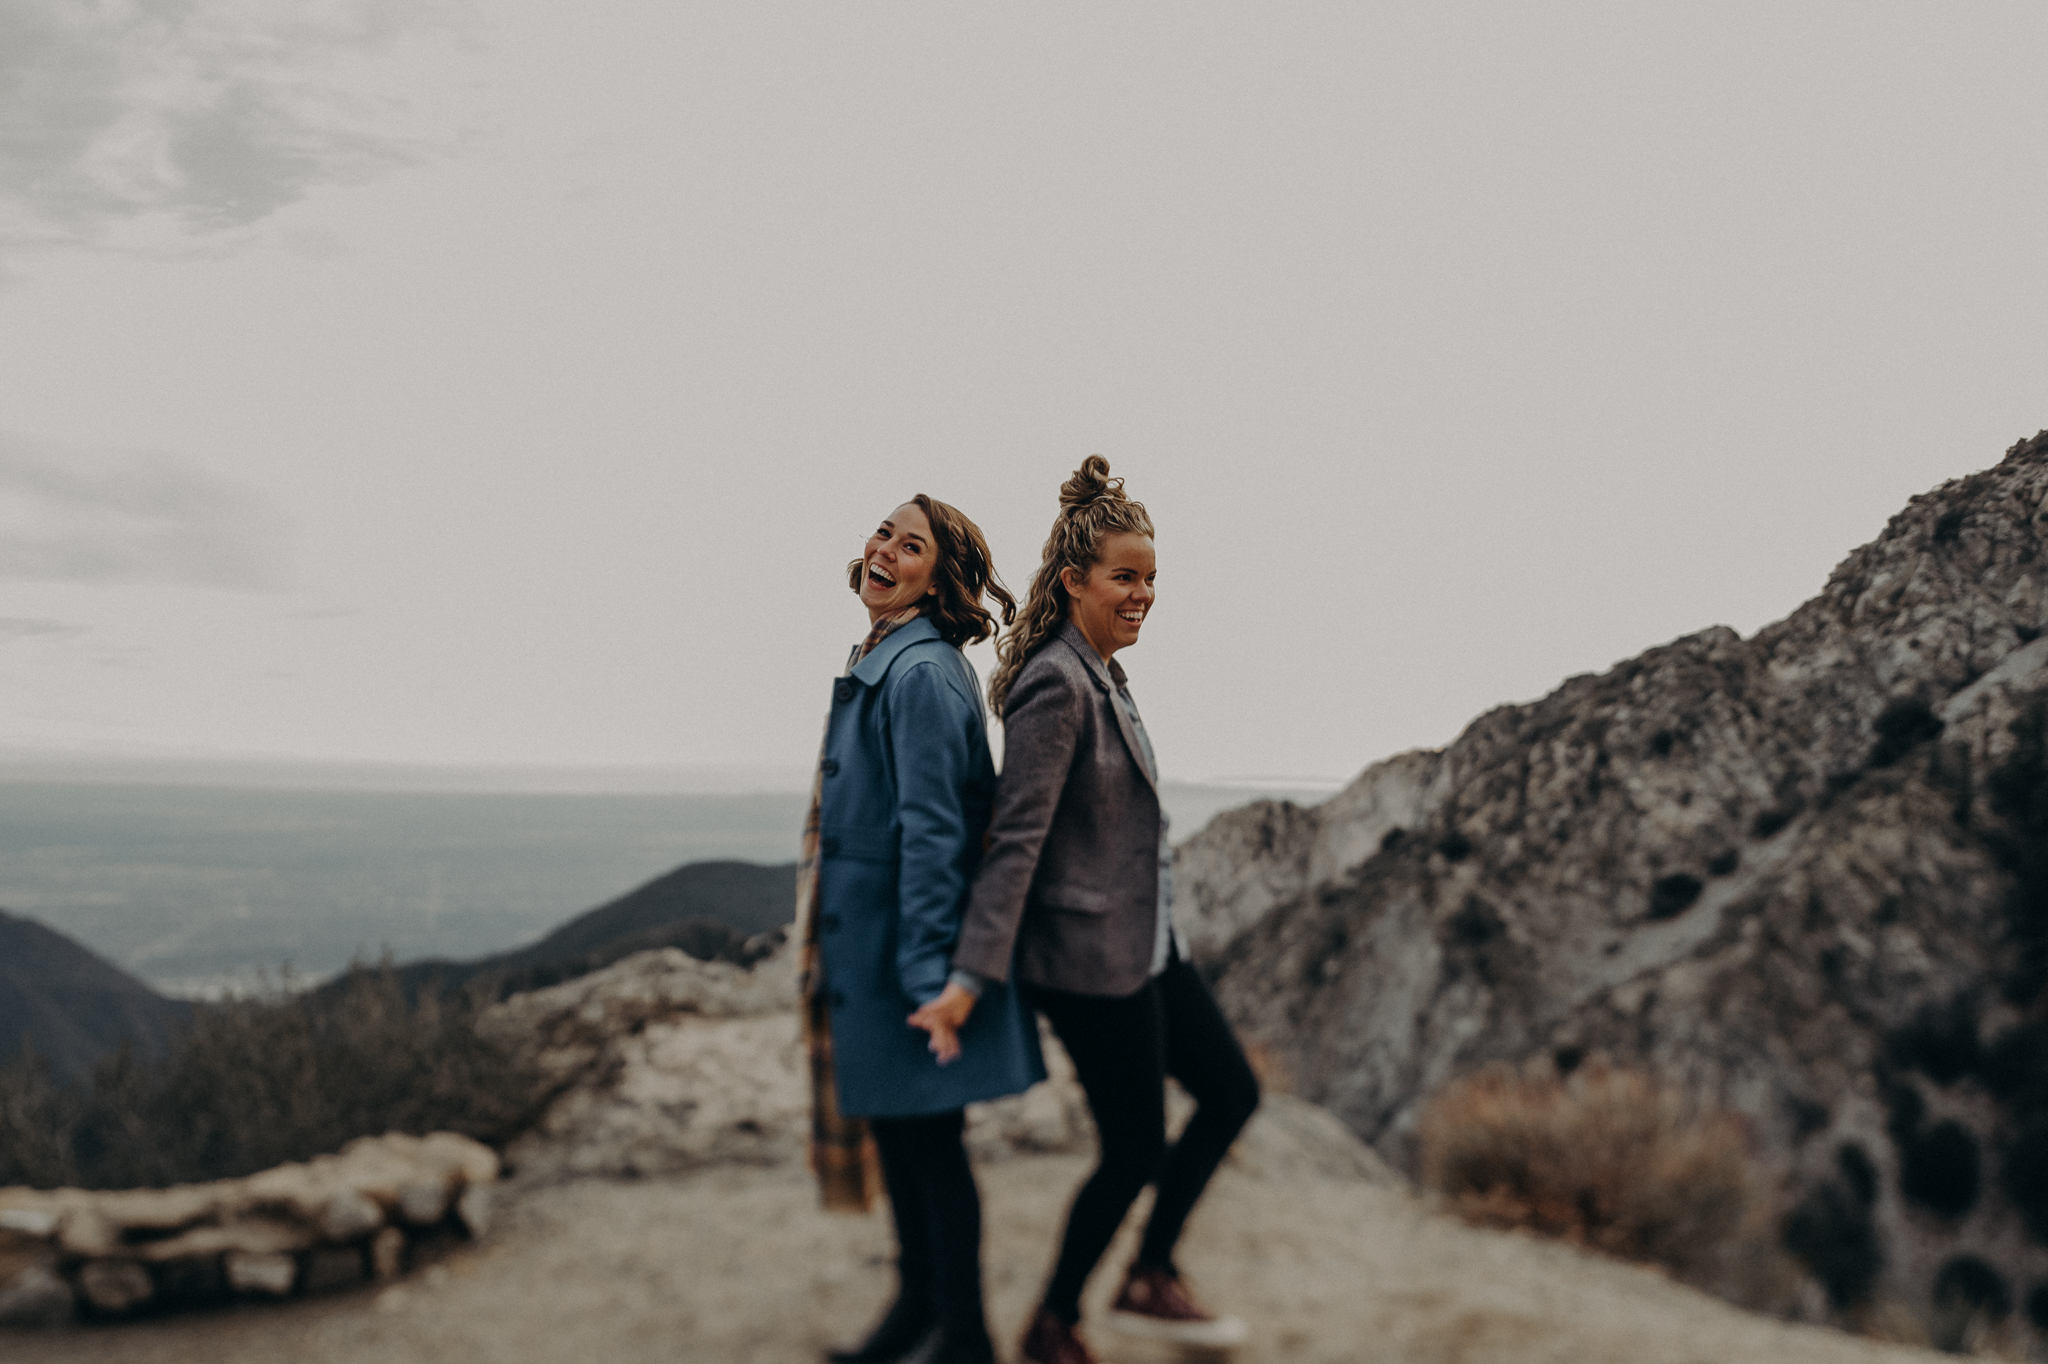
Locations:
(857, 844)
(1080, 899)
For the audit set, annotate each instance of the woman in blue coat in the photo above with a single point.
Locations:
(904, 790)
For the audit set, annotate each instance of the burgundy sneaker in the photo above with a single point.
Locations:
(1157, 1305)
(1048, 1340)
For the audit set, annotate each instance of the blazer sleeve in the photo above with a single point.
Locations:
(931, 731)
(1041, 729)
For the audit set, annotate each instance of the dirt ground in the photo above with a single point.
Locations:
(739, 1266)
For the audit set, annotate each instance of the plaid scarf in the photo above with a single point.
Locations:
(843, 1154)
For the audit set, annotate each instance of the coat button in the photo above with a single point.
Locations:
(829, 923)
(842, 690)
(828, 845)
(830, 767)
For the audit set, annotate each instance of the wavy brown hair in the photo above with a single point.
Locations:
(964, 572)
(1092, 505)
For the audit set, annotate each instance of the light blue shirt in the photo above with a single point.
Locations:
(1168, 934)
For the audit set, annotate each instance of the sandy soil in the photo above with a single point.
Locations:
(738, 1265)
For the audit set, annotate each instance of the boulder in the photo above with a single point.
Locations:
(349, 1215)
(661, 1063)
(115, 1286)
(259, 1273)
(689, 1090)
(423, 1202)
(387, 1255)
(473, 1209)
(84, 1231)
(331, 1268)
(256, 1235)
(35, 1296)
(24, 1218)
(568, 1026)
(1232, 872)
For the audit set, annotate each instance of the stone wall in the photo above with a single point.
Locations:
(299, 1228)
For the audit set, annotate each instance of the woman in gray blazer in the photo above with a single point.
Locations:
(1076, 887)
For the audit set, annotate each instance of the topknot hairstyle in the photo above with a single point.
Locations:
(963, 573)
(1092, 506)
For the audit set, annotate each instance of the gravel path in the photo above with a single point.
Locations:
(736, 1266)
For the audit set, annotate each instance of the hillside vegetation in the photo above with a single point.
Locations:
(118, 1087)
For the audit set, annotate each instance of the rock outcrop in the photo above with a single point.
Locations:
(1806, 873)
(312, 1226)
(663, 1064)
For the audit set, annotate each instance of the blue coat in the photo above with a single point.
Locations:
(907, 789)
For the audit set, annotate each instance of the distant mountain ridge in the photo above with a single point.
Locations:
(70, 1005)
(714, 911)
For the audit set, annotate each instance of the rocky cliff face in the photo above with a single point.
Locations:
(1806, 873)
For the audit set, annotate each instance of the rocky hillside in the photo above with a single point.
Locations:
(1805, 872)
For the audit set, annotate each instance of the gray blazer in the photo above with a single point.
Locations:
(1070, 879)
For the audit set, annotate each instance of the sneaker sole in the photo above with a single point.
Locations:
(1219, 1334)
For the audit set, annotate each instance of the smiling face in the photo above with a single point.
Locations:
(1111, 602)
(898, 564)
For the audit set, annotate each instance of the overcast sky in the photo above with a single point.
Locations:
(508, 383)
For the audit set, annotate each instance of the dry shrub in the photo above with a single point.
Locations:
(250, 1083)
(1605, 1157)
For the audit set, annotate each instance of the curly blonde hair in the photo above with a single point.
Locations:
(1092, 505)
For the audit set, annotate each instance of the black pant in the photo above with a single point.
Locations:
(1123, 1050)
(938, 1219)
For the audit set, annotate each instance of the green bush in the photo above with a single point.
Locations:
(253, 1082)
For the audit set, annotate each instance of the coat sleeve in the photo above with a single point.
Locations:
(932, 732)
(1041, 729)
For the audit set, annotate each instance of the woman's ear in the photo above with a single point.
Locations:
(1072, 579)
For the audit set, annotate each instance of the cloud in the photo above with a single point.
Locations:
(173, 121)
(92, 517)
(19, 627)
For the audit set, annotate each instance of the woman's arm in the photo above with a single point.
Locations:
(932, 733)
(1041, 729)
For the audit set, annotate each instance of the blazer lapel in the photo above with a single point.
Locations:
(1071, 636)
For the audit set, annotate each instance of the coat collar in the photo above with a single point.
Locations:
(1109, 677)
(871, 669)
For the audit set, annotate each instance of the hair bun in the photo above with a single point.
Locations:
(1091, 482)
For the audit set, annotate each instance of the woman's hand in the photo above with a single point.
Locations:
(943, 1018)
